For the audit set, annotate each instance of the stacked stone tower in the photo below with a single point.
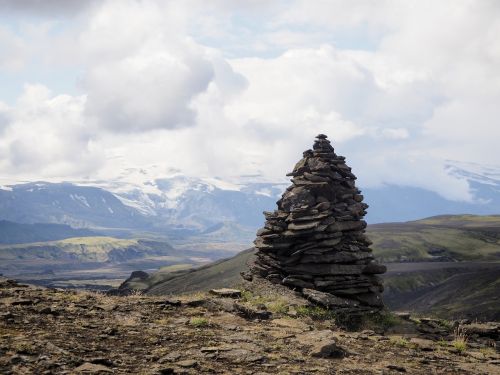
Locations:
(315, 242)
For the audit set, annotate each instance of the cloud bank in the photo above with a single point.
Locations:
(232, 88)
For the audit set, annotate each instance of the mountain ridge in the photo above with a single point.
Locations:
(16, 233)
(186, 205)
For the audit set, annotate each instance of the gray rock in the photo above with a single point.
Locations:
(167, 371)
(328, 350)
(226, 292)
(336, 257)
(172, 302)
(327, 269)
(396, 368)
(328, 300)
(302, 226)
(90, 368)
(370, 299)
(315, 178)
(187, 363)
(249, 312)
(295, 282)
(22, 302)
(374, 268)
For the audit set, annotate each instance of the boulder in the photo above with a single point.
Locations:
(226, 292)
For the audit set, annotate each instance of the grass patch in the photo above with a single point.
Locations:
(246, 295)
(459, 345)
(280, 306)
(401, 342)
(487, 352)
(273, 302)
(135, 294)
(176, 267)
(446, 324)
(24, 348)
(127, 321)
(383, 320)
(460, 340)
(163, 321)
(199, 322)
(253, 299)
(97, 296)
(315, 312)
(442, 343)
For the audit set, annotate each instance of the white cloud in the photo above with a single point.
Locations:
(47, 137)
(228, 88)
(12, 51)
(146, 91)
(143, 70)
(4, 116)
(46, 7)
(395, 133)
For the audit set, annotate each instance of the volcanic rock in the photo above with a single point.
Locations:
(314, 241)
(226, 292)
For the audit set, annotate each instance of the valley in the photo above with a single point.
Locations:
(93, 262)
(450, 290)
(439, 238)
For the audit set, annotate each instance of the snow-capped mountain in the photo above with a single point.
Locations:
(201, 202)
(198, 203)
(66, 203)
(403, 203)
(143, 199)
(476, 173)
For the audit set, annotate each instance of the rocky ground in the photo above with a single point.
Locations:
(47, 331)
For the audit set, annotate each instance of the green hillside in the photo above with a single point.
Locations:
(215, 275)
(84, 249)
(16, 233)
(448, 290)
(440, 238)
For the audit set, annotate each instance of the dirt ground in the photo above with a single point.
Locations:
(47, 331)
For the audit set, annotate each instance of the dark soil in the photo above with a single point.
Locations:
(45, 331)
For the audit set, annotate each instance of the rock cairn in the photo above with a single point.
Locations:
(315, 242)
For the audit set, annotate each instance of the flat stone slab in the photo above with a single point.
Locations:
(91, 368)
(424, 344)
(226, 292)
(489, 329)
(188, 363)
(290, 323)
(328, 300)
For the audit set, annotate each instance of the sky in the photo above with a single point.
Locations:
(90, 89)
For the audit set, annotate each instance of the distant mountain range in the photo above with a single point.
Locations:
(15, 233)
(66, 203)
(93, 261)
(185, 206)
(74, 252)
